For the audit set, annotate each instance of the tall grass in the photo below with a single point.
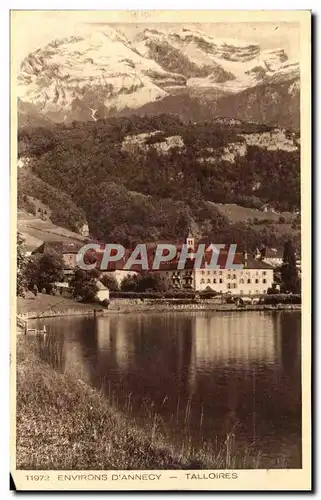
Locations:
(62, 423)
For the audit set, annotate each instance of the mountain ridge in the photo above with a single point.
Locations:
(91, 76)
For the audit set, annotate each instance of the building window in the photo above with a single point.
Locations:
(228, 276)
(234, 276)
(241, 281)
(202, 281)
(264, 273)
(208, 281)
(208, 272)
(203, 272)
(214, 280)
(221, 281)
(264, 280)
(256, 281)
(234, 285)
(229, 285)
(220, 272)
(249, 281)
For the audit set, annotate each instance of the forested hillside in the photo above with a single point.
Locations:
(151, 177)
(63, 211)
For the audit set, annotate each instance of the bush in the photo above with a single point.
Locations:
(110, 282)
(135, 295)
(282, 299)
(179, 294)
(208, 295)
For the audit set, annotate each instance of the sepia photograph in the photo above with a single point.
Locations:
(160, 190)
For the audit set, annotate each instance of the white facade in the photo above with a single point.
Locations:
(233, 281)
(103, 292)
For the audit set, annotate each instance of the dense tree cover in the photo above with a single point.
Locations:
(88, 162)
(83, 284)
(144, 282)
(42, 270)
(21, 266)
(64, 212)
(110, 282)
(289, 272)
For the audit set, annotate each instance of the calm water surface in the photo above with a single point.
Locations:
(204, 374)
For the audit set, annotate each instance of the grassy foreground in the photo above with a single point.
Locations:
(64, 424)
(43, 303)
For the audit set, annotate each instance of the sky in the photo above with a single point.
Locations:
(34, 29)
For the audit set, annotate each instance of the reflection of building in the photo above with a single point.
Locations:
(113, 337)
(238, 338)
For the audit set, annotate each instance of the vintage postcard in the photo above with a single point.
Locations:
(161, 204)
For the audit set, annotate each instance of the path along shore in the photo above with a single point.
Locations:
(46, 306)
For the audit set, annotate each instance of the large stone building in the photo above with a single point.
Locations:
(255, 277)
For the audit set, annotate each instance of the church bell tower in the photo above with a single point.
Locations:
(190, 241)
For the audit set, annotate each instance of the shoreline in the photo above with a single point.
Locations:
(151, 305)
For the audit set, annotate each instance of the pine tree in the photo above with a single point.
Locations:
(289, 272)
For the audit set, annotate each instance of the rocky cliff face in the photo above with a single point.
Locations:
(101, 73)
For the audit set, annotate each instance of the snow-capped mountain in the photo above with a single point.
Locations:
(89, 76)
(229, 66)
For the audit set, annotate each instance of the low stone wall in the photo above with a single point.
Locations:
(84, 311)
(163, 305)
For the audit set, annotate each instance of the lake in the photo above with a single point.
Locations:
(201, 375)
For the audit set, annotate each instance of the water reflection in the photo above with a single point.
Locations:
(220, 371)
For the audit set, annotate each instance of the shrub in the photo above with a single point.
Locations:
(282, 299)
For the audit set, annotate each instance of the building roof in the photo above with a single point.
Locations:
(253, 263)
(59, 247)
(172, 264)
(272, 253)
